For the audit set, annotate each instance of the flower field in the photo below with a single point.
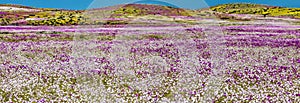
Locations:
(195, 60)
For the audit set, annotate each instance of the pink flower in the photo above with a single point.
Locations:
(98, 71)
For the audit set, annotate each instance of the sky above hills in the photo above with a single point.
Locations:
(189, 4)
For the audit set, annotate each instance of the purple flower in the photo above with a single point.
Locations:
(192, 92)
(3, 13)
(12, 67)
(98, 71)
(63, 57)
(22, 66)
(274, 58)
(42, 100)
(101, 60)
(173, 69)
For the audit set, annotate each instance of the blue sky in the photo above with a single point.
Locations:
(190, 4)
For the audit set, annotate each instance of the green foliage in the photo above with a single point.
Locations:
(226, 7)
(128, 11)
(116, 22)
(10, 37)
(153, 36)
(141, 10)
(59, 18)
(106, 37)
(51, 32)
(4, 21)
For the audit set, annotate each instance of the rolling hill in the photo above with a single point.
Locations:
(128, 13)
(257, 9)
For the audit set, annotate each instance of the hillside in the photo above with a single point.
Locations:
(129, 13)
(23, 15)
(240, 8)
(123, 14)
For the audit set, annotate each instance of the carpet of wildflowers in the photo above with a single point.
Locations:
(202, 60)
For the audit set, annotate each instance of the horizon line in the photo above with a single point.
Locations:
(139, 3)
